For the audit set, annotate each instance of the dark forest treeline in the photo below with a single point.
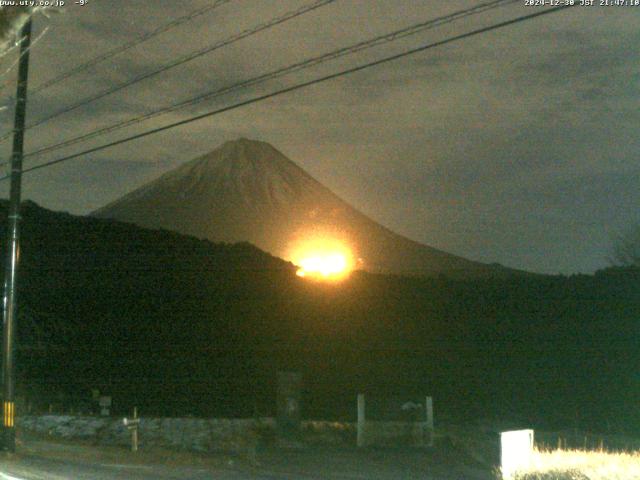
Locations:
(181, 326)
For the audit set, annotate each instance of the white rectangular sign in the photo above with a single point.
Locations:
(516, 451)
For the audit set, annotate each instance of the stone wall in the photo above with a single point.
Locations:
(215, 434)
(194, 434)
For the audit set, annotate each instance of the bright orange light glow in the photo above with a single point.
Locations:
(322, 258)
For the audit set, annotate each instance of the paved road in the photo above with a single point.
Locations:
(332, 464)
(35, 468)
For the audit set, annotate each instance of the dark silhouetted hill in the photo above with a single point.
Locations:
(180, 326)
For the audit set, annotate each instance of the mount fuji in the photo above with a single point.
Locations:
(248, 191)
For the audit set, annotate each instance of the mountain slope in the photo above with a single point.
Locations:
(248, 191)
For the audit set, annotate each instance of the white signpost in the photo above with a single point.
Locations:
(132, 424)
(516, 451)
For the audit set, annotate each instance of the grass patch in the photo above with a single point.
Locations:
(581, 465)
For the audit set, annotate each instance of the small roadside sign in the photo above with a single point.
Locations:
(132, 424)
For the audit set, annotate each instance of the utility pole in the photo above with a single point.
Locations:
(13, 247)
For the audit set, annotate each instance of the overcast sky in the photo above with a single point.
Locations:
(518, 146)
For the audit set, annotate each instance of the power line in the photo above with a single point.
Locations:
(113, 52)
(192, 56)
(299, 86)
(127, 46)
(307, 63)
(17, 61)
